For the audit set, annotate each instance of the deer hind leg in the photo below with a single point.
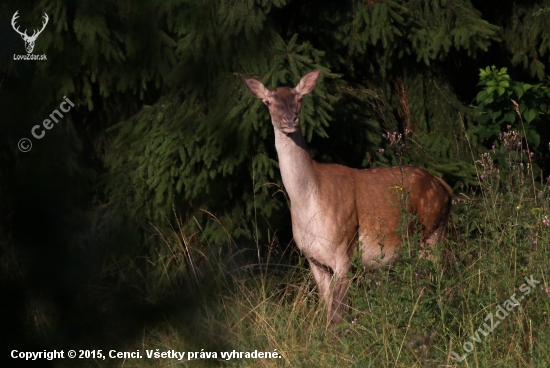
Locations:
(436, 235)
(428, 245)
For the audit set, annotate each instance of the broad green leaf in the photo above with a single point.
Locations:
(510, 117)
(530, 115)
(519, 90)
(481, 95)
(533, 137)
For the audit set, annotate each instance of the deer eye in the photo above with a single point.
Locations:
(300, 99)
(266, 102)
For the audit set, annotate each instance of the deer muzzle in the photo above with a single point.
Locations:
(289, 123)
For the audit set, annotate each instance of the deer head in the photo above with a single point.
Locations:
(29, 40)
(284, 103)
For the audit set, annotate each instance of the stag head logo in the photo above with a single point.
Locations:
(29, 40)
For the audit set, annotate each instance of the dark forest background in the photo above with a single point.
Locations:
(164, 135)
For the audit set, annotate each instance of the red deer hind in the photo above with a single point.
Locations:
(335, 208)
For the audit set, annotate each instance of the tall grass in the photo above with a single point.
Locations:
(414, 313)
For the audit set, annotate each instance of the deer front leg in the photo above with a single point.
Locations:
(322, 276)
(340, 282)
(332, 287)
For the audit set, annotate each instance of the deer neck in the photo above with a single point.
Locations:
(296, 165)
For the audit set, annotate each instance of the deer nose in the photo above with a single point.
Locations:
(290, 120)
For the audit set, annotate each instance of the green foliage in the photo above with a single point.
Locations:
(513, 117)
(528, 37)
(389, 30)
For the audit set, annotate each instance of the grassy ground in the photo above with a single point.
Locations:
(415, 313)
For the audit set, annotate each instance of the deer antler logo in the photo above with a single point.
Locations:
(29, 40)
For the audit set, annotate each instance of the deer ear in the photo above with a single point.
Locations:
(255, 87)
(308, 82)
